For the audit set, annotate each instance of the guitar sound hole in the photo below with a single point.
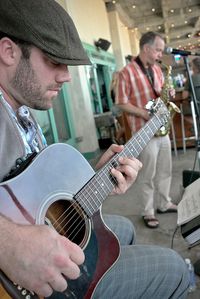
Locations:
(68, 219)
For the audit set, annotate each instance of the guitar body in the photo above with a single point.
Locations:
(43, 193)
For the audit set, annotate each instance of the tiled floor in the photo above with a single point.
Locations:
(128, 205)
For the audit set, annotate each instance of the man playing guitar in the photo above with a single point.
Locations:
(38, 41)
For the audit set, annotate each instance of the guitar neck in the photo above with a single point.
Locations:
(93, 194)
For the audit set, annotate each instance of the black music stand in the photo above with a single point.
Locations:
(195, 115)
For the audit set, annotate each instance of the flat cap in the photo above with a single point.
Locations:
(46, 25)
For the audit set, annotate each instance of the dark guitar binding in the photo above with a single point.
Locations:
(14, 290)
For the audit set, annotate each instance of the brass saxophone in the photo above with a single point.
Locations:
(172, 108)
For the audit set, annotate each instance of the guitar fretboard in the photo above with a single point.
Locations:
(92, 195)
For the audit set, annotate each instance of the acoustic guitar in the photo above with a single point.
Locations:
(59, 188)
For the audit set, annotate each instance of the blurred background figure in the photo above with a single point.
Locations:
(195, 67)
(117, 113)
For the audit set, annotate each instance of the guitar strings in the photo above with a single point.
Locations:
(75, 207)
(61, 216)
(88, 193)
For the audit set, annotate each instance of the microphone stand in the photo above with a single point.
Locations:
(195, 112)
(194, 107)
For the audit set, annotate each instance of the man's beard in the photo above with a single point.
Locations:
(28, 89)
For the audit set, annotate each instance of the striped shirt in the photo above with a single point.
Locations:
(134, 87)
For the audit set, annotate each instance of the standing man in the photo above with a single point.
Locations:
(140, 81)
(38, 41)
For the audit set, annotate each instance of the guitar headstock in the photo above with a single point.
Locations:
(157, 107)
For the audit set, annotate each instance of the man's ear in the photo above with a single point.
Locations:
(8, 51)
(146, 48)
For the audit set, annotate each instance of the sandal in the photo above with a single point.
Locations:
(171, 209)
(150, 221)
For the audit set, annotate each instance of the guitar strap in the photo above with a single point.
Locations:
(148, 72)
(21, 165)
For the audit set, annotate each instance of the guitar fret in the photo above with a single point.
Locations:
(95, 196)
(147, 135)
(143, 139)
(154, 125)
(104, 186)
(151, 130)
(92, 195)
(89, 204)
(131, 151)
(139, 143)
(136, 150)
(93, 199)
(128, 151)
(97, 193)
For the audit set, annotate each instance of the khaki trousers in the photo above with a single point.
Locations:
(154, 180)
